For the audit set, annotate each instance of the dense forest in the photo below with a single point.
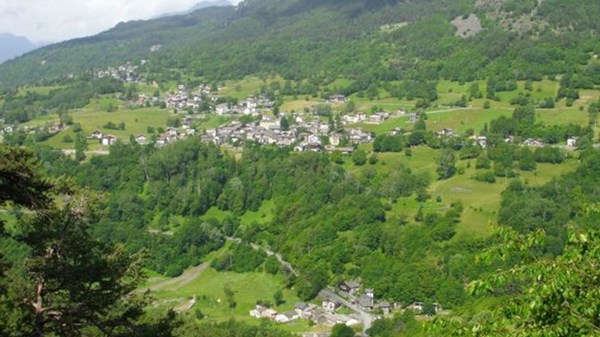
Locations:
(367, 41)
(332, 225)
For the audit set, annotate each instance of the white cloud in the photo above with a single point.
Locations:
(58, 20)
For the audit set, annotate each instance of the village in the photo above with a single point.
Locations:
(345, 305)
(302, 131)
(251, 120)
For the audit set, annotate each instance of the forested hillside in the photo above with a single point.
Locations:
(368, 41)
(386, 168)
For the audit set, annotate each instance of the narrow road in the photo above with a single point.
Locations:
(180, 281)
(365, 317)
(269, 252)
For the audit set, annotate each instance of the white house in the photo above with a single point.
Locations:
(222, 109)
(269, 123)
(109, 140)
(338, 99)
(141, 139)
(257, 311)
(269, 313)
(286, 317)
(330, 305)
(97, 135)
(335, 139)
(482, 141)
(313, 140)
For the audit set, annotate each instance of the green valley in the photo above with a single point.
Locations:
(299, 167)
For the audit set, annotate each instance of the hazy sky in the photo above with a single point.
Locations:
(58, 20)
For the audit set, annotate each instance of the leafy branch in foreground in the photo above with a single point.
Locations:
(556, 297)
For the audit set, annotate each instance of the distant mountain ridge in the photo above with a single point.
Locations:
(12, 46)
(198, 6)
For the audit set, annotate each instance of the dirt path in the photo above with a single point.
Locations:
(180, 281)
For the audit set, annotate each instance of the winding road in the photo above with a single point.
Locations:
(179, 282)
(269, 252)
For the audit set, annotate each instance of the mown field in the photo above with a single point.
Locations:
(209, 291)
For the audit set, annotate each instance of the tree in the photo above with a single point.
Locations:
(359, 157)
(524, 114)
(284, 123)
(526, 159)
(311, 282)
(446, 164)
(78, 282)
(337, 157)
(420, 125)
(342, 330)
(229, 296)
(19, 181)
(69, 282)
(80, 146)
(429, 309)
(349, 106)
(373, 158)
(278, 298)
(559, 296)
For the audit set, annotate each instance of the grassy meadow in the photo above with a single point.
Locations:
(208, 289)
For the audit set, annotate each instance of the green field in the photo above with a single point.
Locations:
(208, 288)
(249, 86)
(41, 90)
(262, 216)
(95, 116)
(463, 119)
(481, 200)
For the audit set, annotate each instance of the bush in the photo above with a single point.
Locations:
(548, 154)
(110, 126)
(483, 162)
(485, 176)
(359, 157)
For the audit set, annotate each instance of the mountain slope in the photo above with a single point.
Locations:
(12, 46)
(362, 40)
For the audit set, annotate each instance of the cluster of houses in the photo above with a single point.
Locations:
(248, 107)
(374, 118)
(126, 72)
(301, 311)
(324, 314)
(327, 313)
(304, 136)
(104, 139)
(52, 128)
(170, 135)
(186, 99)
(366, 301)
